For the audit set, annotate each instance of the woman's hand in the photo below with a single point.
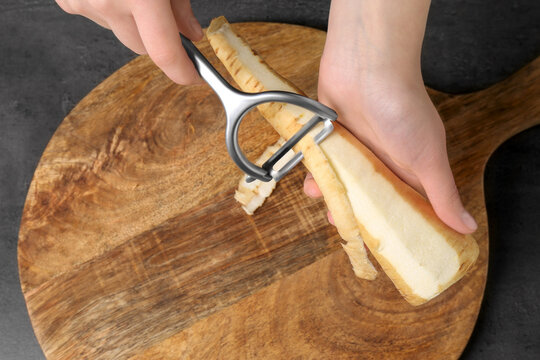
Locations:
(147, 27)
(370, 74)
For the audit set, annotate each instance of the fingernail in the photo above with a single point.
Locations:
(330, 218)
(196, 27)
(309, 191)
(469, 221)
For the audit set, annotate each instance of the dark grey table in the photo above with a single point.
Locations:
(50, 60)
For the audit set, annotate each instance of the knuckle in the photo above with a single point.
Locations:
(440, 130)
(102, 6)
(76, 7)
(66, 6)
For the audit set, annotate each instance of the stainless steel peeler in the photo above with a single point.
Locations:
(237, 104)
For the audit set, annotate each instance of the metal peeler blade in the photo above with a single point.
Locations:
(237, 104)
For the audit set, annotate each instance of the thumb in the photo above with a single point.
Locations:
(186, 21)
(440, 187)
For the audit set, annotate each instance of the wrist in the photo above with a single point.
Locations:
(377, 37)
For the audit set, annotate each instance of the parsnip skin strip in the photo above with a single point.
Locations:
(287, 120)
(419, 253)
(252, 195)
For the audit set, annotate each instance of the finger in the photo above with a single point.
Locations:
(186, 22)
(330, 218)
(441, 190)
(310, 187)
(98, 20)
(82, 8)
(66, 6)
(159, 34)
(126, 31)
(401, 171)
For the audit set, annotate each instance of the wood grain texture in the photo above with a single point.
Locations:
(131, 245)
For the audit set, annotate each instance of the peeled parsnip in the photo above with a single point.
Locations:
(419, 253)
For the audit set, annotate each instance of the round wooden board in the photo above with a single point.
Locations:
(131, 245)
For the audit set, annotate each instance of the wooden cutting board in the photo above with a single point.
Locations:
(132, 247)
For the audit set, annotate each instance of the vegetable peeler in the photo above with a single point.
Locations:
(238, 103)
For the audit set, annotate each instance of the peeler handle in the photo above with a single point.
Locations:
(237, 104)
(206, 70)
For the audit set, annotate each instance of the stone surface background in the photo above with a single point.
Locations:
(49, 60)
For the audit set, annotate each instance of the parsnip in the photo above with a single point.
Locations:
(420, 254)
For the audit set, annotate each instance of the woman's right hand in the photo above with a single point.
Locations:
(147, 27)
